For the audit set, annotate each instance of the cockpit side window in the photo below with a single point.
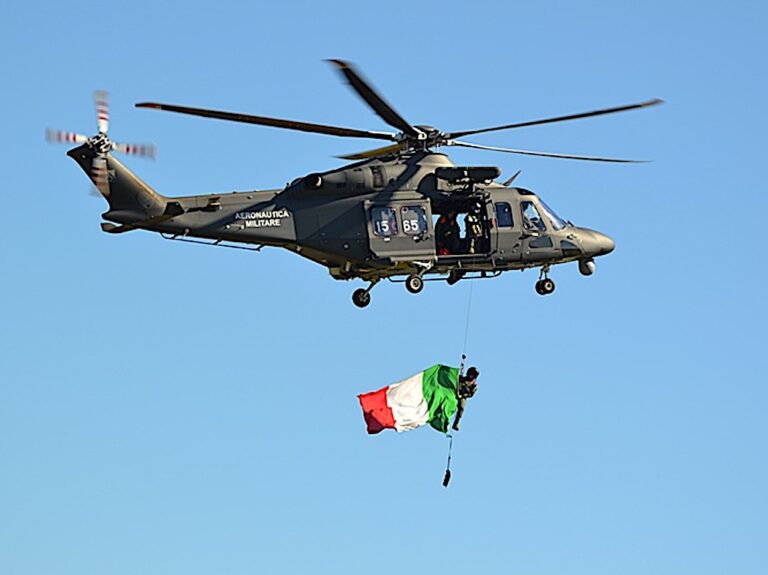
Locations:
(557, 222)
(503, 215)
(531, 217)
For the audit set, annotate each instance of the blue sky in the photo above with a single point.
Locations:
(169, 408)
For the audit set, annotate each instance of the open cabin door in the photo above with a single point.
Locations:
(400, 230)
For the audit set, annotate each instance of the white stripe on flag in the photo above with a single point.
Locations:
(406, 400)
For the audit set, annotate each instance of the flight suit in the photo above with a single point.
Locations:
(474, 233)
(467, 389)
(447, 235)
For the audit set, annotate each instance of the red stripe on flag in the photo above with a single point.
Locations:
(377, 413)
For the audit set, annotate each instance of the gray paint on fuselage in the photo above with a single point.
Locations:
(328, 223)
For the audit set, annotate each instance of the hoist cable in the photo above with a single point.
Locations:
(466, 324)
(447, 476)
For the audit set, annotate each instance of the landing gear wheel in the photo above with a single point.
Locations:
(414, 284)
(547, 286)
(361, 297)
(544, 286)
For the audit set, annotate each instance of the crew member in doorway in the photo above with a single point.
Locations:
(447, 234)
(474, 227)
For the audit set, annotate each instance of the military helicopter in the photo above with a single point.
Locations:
(392, 213)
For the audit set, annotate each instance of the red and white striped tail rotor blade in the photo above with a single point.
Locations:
(99, 175)
(102, 110)
(143, 150)
(58, 136)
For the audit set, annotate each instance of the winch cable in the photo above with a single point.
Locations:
(466, 323)
(447, 476)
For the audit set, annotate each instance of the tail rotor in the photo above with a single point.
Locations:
(60, 137)
(101, 99)
(100, 175)
(101, 144)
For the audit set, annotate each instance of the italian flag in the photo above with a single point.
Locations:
(427, 397)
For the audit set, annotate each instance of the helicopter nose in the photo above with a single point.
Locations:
(596, 243)
(605, 243)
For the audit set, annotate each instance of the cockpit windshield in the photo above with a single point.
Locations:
(557, 222)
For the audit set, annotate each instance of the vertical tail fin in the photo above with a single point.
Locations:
(129, 198)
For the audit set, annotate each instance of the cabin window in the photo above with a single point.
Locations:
(414, 220)
(503, 215)
(531, 218)
(384, 221)
(378, 176)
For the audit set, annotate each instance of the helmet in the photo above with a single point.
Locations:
(472, 373)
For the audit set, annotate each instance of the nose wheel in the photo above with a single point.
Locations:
(545, 286)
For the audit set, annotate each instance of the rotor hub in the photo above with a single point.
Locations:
(101, 143)
(430, 131)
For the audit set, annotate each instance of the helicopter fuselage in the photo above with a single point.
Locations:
(397, 212)
(371, 220)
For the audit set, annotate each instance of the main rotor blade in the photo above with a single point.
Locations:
(601, 112)
(545, 154)
(372, 98)
(273, 122)
(371, 153)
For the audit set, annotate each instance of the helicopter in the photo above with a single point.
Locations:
(393, 213)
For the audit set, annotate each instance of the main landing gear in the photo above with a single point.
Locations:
(414, 283)
(362, 297)
(545, 286)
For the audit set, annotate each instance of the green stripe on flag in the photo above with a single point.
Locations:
(440, 384)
